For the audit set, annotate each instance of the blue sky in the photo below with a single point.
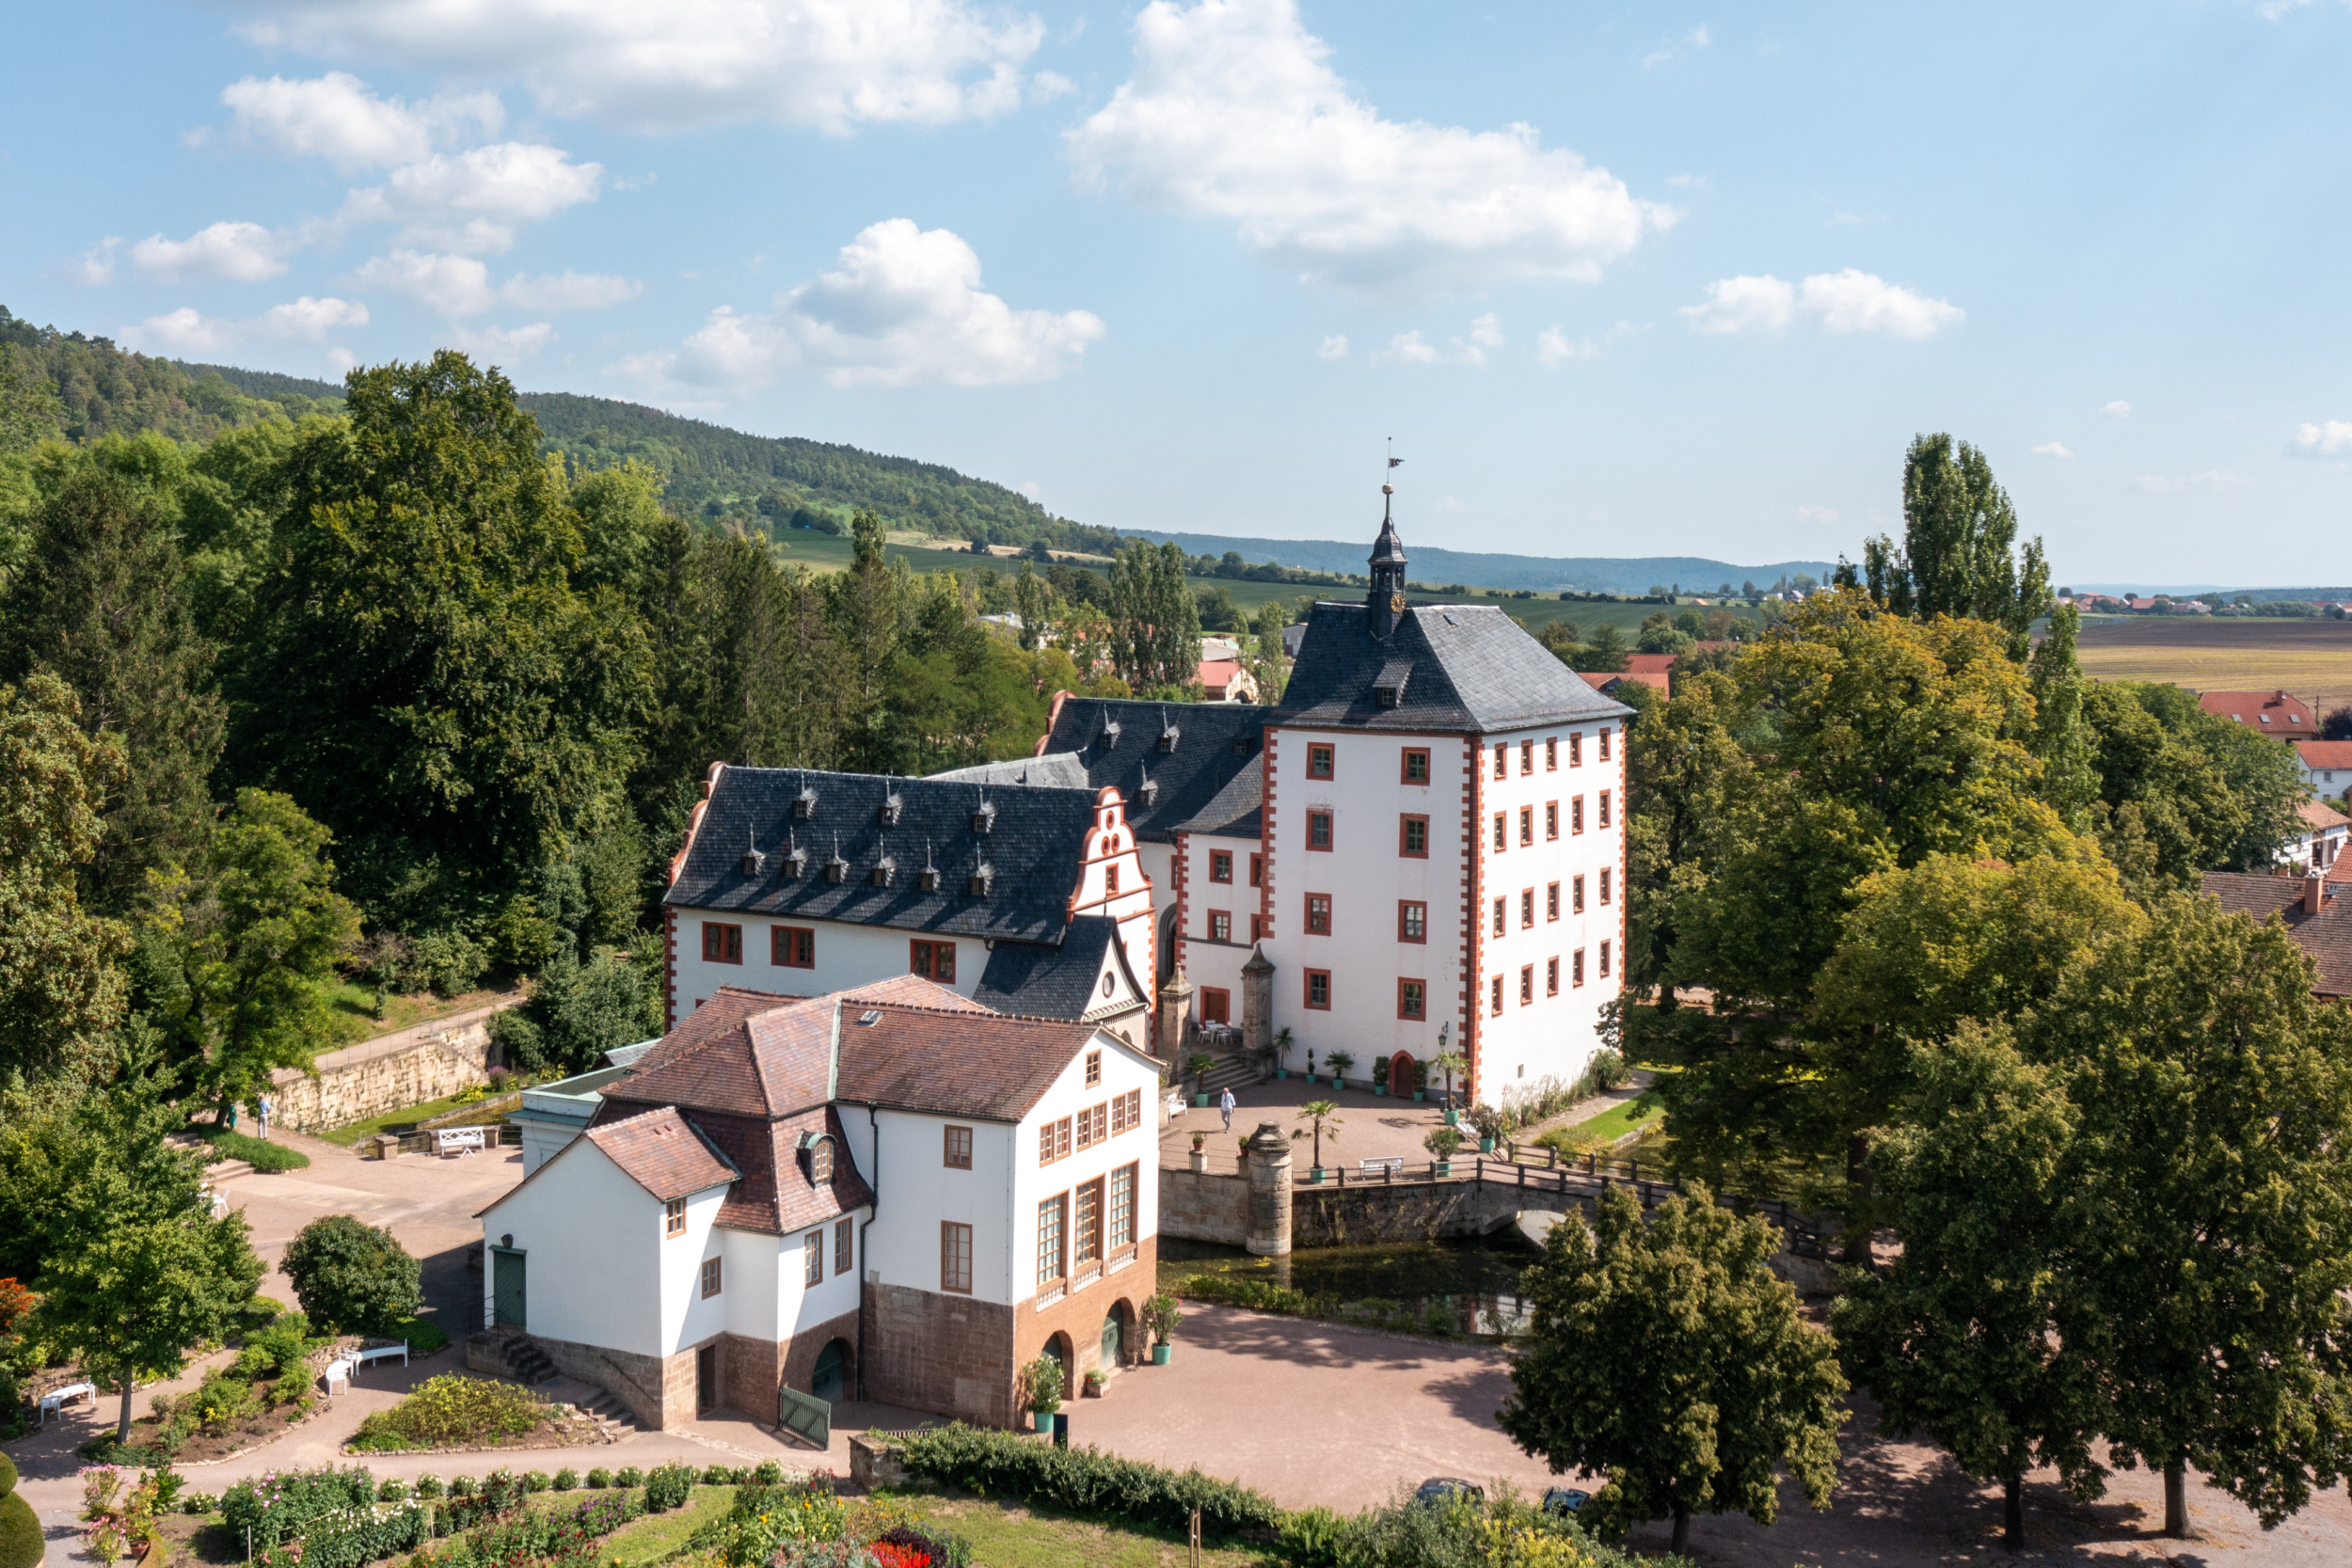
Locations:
(1620, 280)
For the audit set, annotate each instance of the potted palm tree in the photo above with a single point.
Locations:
(1282, 1043)
(1199, 1066)
(1450, 1064)
(1160, 1317)
(1339, 1061)
(1380, 1075)
(1488, 1121)
(1443, 1142)
(1325, 1114)
(1041, 1390)
(1420, 1079)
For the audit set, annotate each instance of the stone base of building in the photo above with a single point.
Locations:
(663, 1392)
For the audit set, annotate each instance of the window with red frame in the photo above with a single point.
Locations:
(1412, 920)
(1220, 925)
(1220, 866)
(1551, 976)
(1552, 754)
(1551, 900)
(1257, 928)
(1495, 1003)
(1604, 743)
(1604, 885)
(1503, 830)
(1604, 808)
(1526, 983)
(1319, 914)
(1552, 820)
(722, 944)
(1415, 767)
(1498, 920)
(1527, 756)
(1526, 906)
(1575, 815)
(1319, 989)
(932, 961)
(1216, 1003)
(1575, 967)
(1604, 960)
(1503, 759)
(792, 946)
(1576, 750)
(1576, 895)
(1110, 880)
(1257, 871)
(1318, 829)
(1319, 762)
(1412, 1000)
(1527, 826)
(1412, 837)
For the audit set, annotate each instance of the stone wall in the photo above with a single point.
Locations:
(1359, 1215)
(1198, 1207)
(430, 1061)
(949, 1354)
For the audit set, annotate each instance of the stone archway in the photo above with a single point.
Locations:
(1401, 1075)
(835, 1372)
(1118, 1337)
(1057, 1345)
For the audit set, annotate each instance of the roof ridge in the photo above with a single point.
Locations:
(991, 1013)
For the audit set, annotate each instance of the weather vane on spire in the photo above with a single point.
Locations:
(1393, 462)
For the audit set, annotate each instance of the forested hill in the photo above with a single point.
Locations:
(1592, 574)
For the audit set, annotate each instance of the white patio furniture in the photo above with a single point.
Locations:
(1393, 1163)
(1175, 1106)
(53, 1402)
(381, 1353)
(458, 1140)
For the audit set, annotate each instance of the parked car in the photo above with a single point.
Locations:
(1436, 1489)
(1565, 1499)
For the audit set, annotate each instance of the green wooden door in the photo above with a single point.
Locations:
(1114, 1337)
(507, 1294)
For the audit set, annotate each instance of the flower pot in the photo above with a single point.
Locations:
(1445, 1167)
(1485, 1145)
(1044, 1419)
(1452, 1118)
(1199, 1101)
(1200, 1162)
(1420, 1095)
(1380, 1088)
(1281, 1073)
(1160, 1354)
(1094, 1390)
(1314, 1175)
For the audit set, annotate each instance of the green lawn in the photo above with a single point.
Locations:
(354, 1007)
(1603, 1130)
(1009, 1535)
(643, 1541)
(359, 1132)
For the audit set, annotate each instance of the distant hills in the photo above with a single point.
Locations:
(1429, 563)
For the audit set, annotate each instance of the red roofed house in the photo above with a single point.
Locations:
(1226, 681)
(891, 1194)
(2327, 766)
(2320, 839)
(2317, 916)
(2272, 713)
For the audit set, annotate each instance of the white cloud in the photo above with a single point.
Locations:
(1697, 38)
(1839, 302)
(234, 252)
(448, 285)
(2211, 479)
(2052, 449)
(335, 117)
(96, 265)
(498, 344)
(1813, 513)
(1553, 349)
(905, 308)
(2271, 10)
(2330, 438)
(2119, 409)
(829, 64)
(304, 320)
(570, 291)
(471, 201)
(1411, 348)
(1049, 85)
(1691, 181)
(1233, 113)
(1333, 347)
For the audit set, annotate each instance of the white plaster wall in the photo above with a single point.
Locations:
(686, 1319)
(802, 1305)
(1158, 861)
(846, 956)
(1031, 1184)
(919, 1191)
(747, 1283)
(1208, 962)
(595, 1269)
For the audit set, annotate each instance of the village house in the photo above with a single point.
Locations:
(2317, 916)
(2319, 838)
(2327, 766)
(2272, 713)
(890, 1193)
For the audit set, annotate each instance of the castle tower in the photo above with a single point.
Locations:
(1384, 604)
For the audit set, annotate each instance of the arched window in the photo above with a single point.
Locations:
(820, 1159)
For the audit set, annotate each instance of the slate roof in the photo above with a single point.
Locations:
(1056, 770)
(1237, 811)
(1034, 847)
(1204, 759)
(2325, 936)
(662, 1151)
(1053, 982)
(1466, 668)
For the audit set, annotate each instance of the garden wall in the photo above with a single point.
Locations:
(1198, 1207)
(407, 1068)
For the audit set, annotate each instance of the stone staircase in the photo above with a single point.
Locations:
(1233, 1070)
(524, 1361)
(613, 1422)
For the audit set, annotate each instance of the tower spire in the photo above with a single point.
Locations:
(1384, 604)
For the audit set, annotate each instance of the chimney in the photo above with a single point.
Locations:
(2314, 890)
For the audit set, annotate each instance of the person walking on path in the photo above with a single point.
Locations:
(265, 1108)
(1224, 1103)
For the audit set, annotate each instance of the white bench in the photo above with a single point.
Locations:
(53, 1402)
(463, 1140)
(341, 1369)
(1393, 1163)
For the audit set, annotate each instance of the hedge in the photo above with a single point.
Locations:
(22, 1543)
(1084, 1481)
(253, 1152)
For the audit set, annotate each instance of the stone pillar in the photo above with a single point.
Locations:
(1257, 1005)
(1175, 1010)
(1269, 1171)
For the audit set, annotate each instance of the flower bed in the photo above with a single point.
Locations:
(451, 1411)
(268, 1387)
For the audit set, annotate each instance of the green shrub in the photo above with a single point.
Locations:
(447, 1411)
(277, 1347)
(1260, 1295)
(1311, 1538)
(352, 1277)
(535, 1480)
(766, 1520)
(448, 961)
(462, 1487)
(424, 1337)
(200, 1504)
(253, 1152)
(767, 1473)
(600, 1478)
(279, 1506)
(1040, 1385)
(668, 1487)
(220, 1400)
(392, 1491)
(566, 1479)
(428, 1486)
(21, 1542)
(351, 1537)
(631, 1476)
(718, 1475)
(256, 1312)
(1084, 1481)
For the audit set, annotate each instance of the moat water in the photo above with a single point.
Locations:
(1462, 1288)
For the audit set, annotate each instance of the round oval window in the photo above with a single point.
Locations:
(1107, 985)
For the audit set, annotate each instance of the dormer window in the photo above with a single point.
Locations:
(978, 882)
(1241, 745)
(1168, 738)
(804, 804)
(836, 869)
(752, 864)
(820, 1158)
(928, 878)
(885, 869)
(984, 819)
(795, 862)
(1107, 736)
(892, 809)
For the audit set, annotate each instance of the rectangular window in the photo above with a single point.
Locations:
(1551, 976)
(1503, 830)
(1412, 1000)
(1087, 1234)
(1257, 928)
(1318, 829)
(1576, 895)
(1220, 925)
(1495, 1005)
(1134, 1098)
(1498, 920)
(1604, 808)
(1319, 914)
(844, 1245)
(933, 960)
(1412, 837)
(1123, 1206)
(1604, 960)
(1526, 906)
(710, 1277)
(1527, 756)
(1527, 825)
(1575, 815)
(1552, 820)
(1604, 885)
(1053, 1223)
(1416, 765)
(1576, 750)
(813, 1258)
(1552, 754)
(1526, 983)
(955, 1257)
(1094, 1068)
(1502, 759)
(1094, 1125)
(1319, 760)
(791, 947)
(1257, 871)
(1575, 967)
(1319, 989)
(674, 1217)
(1604, 743)
(1217, 1005)
(1220, 866)
(1110, 880)
(1412, 920)
(1052, 1141)
(722, 944)
(958, 1153)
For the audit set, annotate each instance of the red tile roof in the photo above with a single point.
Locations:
(1649, 664)
(662, 1152)
(776, 1194)
(1600, 680)
(2325, 753)
(2325, 936)
(2320, 818)
(2273, 712)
